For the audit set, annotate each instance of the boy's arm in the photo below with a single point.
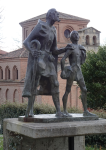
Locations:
(68, 52)
(59, 51)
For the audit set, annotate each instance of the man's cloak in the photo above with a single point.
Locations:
(42, 32)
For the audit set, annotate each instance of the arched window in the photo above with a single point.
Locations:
(15, 73)
(7, 73)
(87, 40)
(0, 93)
(67, 32)
(16, 96)
(1, 73)
(26, 33)
(22, 100)
(7, 94)
(94, 40)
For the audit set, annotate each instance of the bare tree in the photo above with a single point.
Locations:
(17, 42)
(1, 21)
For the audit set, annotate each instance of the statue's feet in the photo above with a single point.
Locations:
(87, 113)
(59, 114)
(31, 115)
(66, 114)
(28, 115)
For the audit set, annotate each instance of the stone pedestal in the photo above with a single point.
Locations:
(49, 136)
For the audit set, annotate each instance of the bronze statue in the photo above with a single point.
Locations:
(77, 55)
(42, 63)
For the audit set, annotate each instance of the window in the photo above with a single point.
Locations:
(0, 94)
(7, 73)
(16, 96)
(1, 73)
(87, 40)
(7, 94)
(26, 33)
(94, 40)
(15, 73)
(67, 33)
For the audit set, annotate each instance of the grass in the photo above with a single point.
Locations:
(94, 148)
(1, 143)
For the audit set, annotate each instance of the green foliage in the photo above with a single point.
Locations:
(94, 72)
(99, 140)
(1, 142)
(94, 148)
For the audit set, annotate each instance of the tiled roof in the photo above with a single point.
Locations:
(2, 52)
(61, 16)
(16, 54)
(88, 28)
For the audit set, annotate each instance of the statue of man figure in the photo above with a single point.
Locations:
(77, 56)
(42, 63)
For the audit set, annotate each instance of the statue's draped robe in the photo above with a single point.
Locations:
(47, 62)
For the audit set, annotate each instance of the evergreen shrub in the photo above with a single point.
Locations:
(94, 72)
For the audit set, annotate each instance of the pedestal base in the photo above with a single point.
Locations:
(50, 118)
(49, 136)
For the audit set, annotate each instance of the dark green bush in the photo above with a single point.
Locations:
(99, 140)
(94, 72)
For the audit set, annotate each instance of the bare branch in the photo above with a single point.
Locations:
(1, 20)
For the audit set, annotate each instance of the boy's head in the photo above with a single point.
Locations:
(74, 36)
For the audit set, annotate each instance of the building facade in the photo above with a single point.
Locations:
(13, 65)
(89, 38)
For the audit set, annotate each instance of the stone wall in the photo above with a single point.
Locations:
(11, 90)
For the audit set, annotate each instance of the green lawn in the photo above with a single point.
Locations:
(1, 143)
(94, 148)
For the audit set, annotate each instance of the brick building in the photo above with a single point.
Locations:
(13, 65)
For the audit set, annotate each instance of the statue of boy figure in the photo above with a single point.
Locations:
(77, 56)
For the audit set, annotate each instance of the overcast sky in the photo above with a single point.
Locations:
(16, 11)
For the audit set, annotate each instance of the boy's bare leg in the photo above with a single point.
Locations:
(82, 86)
